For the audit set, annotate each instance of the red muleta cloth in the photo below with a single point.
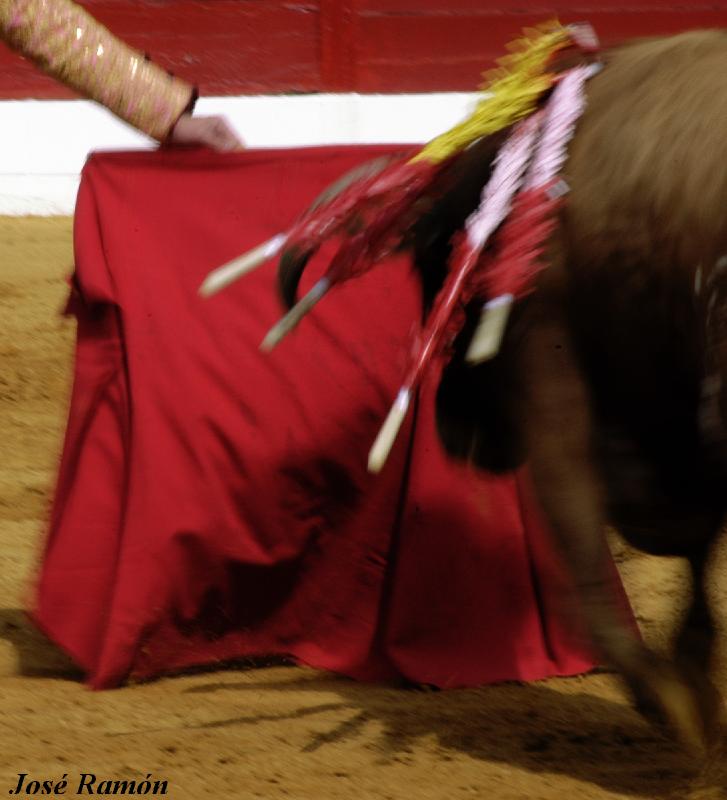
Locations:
(213, 502)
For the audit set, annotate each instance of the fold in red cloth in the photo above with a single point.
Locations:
(213, 502)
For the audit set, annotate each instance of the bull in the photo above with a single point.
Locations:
(611, 381)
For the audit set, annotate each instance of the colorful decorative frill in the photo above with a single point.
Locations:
(519, 203)
(510, 92)
(380, 203)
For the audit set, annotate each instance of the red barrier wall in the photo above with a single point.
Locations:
(252, 46)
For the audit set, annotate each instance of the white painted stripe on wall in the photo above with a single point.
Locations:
(45, 143)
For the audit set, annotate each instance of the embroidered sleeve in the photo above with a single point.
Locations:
(68, 43)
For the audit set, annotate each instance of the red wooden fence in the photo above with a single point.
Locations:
(252, 46)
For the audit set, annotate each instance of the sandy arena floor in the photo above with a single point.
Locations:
(282, 732)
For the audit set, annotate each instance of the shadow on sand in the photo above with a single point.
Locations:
(528, 726)
(37, 655)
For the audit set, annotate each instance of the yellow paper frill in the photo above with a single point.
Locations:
(512, 89)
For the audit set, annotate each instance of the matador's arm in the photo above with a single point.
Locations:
(69, 44)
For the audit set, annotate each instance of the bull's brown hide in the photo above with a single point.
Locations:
(610, 380)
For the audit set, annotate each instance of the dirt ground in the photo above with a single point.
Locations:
(283, 732)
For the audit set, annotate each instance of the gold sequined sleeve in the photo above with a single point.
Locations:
(68, 43)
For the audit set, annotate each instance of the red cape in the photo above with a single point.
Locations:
(213, 502)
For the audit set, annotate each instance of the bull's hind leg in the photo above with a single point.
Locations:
(694, 645)
(568, 486)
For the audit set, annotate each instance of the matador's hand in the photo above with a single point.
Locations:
(214, 132)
